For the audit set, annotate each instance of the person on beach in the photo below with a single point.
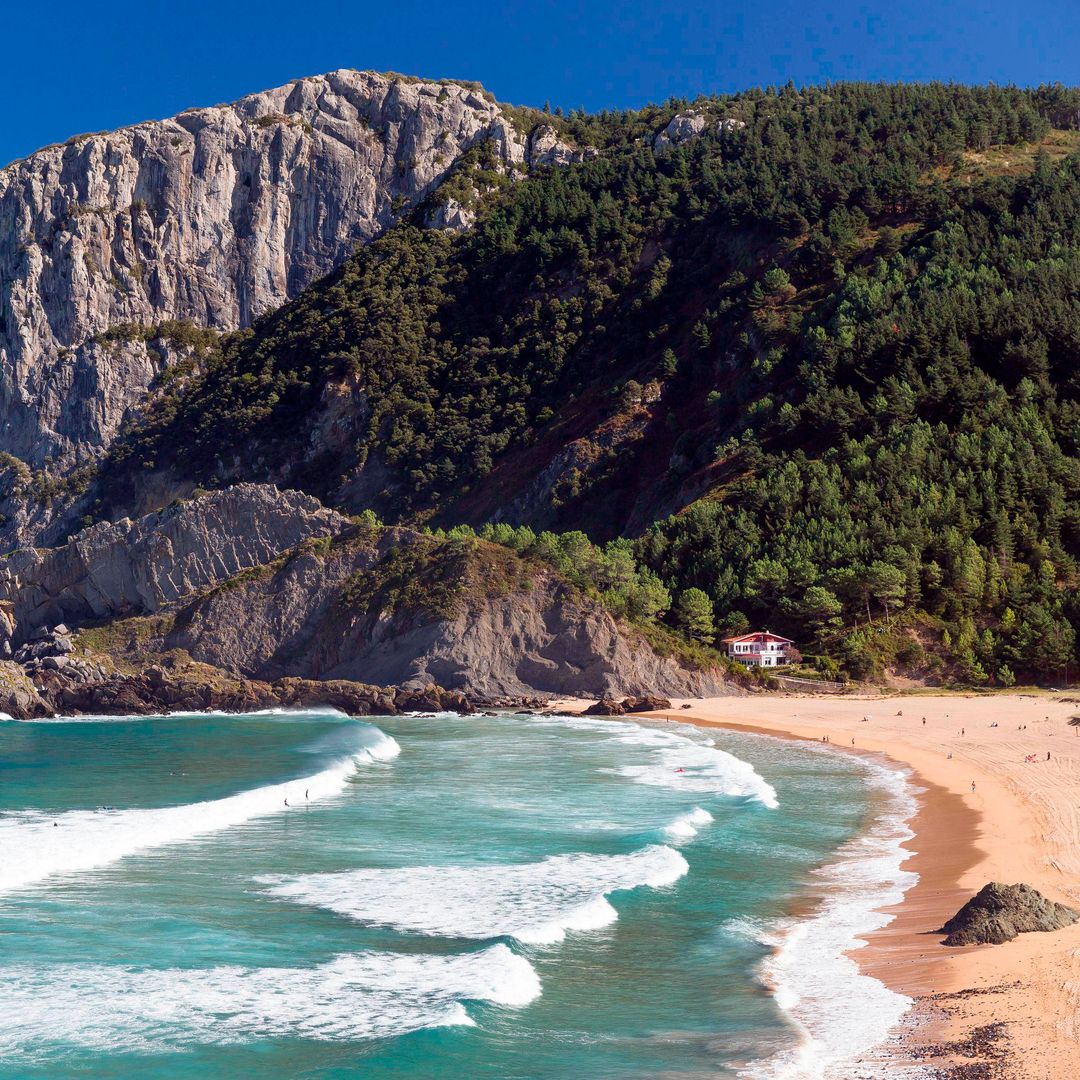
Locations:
(972, 785)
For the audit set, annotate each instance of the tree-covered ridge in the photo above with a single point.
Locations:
(430, 319)
(923, 453)
(866, 369)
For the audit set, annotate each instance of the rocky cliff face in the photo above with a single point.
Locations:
(322, 616)
(137, 567)
(215, 216)
(257, 584)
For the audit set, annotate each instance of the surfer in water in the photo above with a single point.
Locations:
(286, 802)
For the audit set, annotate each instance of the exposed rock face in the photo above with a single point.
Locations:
(605, 707)
(693, 125)
(649, 703)
(999, 912)
(546, 148)
(135, 567)
(267, 585)
(608, 706)
(545, 639)
(155, 691)
(19, 696)
(215, 215)
(7, 630)
(452, 216)
(81, 687)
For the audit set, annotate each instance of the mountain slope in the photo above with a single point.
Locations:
(816, 350)
(214, 216)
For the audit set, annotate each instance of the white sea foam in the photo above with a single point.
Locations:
(684, 764)
(35, 845)
(536, 903)
(317, 712)
(687, 826)
(839, 1013)
(352, 997)
(677, 757)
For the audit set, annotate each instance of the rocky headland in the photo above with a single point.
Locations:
(250, 597)
(214, 216)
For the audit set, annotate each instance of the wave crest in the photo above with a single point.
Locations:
(536, 903)
(687, 826)
(35, 845)
(814, 978)
(354, 996)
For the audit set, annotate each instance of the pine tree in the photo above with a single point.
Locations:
(695, 614)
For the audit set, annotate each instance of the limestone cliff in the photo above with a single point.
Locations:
(214, 216)
(135, 567)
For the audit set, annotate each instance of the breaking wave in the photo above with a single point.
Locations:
(536, 903)
(35, 845)
(354, 996)
(687, 826)
(814, 979)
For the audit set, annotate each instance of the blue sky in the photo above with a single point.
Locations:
(71, 66)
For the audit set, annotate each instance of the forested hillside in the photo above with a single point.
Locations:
(817, 360)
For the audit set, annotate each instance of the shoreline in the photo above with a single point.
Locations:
(962, 839)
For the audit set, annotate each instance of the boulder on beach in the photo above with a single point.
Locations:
(648, 703)
(999, 912)
(605, 707)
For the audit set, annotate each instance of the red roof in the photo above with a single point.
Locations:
(758, 636)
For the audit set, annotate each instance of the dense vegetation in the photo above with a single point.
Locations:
(841, 352)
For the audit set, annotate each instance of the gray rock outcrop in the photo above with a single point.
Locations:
(135, 567)
(685, 126)
(215, 216)
(999, 912)
(156, 690)
(263, 585)
(296, 620)
(546, 148)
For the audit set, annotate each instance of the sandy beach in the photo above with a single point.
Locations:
(1020, 822)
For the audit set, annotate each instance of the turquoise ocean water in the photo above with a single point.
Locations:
(303, 895)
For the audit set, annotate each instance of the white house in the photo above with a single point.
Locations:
(759, 649)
